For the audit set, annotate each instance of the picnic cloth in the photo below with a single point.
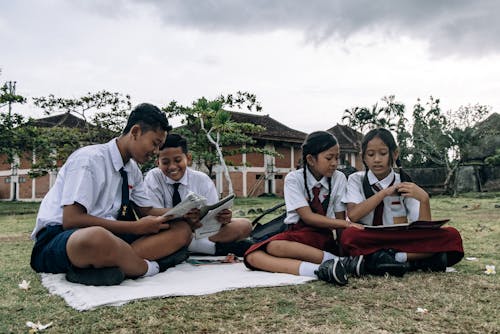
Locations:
(183, 280)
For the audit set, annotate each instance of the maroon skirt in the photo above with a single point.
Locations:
(363, 242)
(302, 233)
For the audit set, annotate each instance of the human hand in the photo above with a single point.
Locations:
(224, 217)
(193, 218)
(151, 224)
(410, 189)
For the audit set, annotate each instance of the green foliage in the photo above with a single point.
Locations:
(390, 116)
(210, 118)
(494, 160)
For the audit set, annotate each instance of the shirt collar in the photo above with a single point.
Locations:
(183, 180)
(116, 157)
(312, 182)
(382, 183)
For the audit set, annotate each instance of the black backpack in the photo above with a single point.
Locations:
(263, 231)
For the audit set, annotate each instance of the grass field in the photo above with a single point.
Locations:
(465, 301)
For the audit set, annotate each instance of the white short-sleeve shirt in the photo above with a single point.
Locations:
(160, 187)
(90, 176)
(296, 195)
(395, 207)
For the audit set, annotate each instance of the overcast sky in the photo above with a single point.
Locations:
(307, 61)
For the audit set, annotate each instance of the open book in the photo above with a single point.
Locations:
(208, 217)
(208, 213)
(416, 225)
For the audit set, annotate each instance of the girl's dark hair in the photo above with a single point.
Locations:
(149, 117)
(175, 140)
(315, 143)
(388, 139)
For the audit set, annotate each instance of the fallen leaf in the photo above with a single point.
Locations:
(471, 258)
(490, 270)
(422, 310)
(24, 285)
(38, 326)
(451, 270)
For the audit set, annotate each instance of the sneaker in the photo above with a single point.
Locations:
(237, 248)
(384, 261)
(332, 271)
(436, 262)
(354, 265)
(95, 276)
(174, 259)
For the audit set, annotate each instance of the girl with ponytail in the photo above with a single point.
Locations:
(381, 196)
(313, 197)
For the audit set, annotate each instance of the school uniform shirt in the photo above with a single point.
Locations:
(161, 188)
(397, 209)
(91, 177)
(296, 195)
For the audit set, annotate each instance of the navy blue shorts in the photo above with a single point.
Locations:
(49, 253)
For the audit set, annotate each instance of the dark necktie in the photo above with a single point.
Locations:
(125, 194)
(378, 215)
(176, 197)
(315, 204)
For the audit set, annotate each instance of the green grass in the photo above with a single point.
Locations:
(461, 302)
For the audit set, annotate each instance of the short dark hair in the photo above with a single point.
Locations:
(175, 140)
(149, 117)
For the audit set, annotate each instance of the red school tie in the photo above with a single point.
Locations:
(316, 203)
(379, 210)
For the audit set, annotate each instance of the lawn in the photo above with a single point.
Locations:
(465, 301)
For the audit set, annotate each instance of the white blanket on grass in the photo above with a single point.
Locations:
(182, 280)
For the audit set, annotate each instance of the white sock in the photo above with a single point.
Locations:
(327, 256)
(153, 268)
(308, 269)
(401, 257)
(203, 246)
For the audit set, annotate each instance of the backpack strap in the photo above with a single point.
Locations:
(367, 188)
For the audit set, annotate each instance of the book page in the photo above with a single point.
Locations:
(210, 224)
(191, 201)
(419, 224)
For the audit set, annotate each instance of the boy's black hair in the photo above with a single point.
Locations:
(149, 117)
(388, 139)
(175, 140)
(315, 143)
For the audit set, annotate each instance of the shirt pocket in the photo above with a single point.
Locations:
(398, 210)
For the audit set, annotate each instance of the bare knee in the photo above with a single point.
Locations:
(253, 259)
(91, 243)
(242, 227)
(183, 233)
(276, 247)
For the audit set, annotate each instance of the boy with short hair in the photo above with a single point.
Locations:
(173, 178)
(78, 229)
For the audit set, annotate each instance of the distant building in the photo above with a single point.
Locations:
(252, 174)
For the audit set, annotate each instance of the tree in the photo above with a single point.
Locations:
(104, 115)
(10, 137)
(391, 115)
(441, 139)
(208, 127)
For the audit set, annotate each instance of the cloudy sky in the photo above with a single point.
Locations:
(307, 61)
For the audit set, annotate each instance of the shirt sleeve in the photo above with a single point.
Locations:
(294, 193)
(209, 190)
(412, 209)
(154, 189)
(80, 184)
(354, 190)
(338, 185)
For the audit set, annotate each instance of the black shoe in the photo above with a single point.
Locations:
(332, 271)
(436, 262)
(174, 259)
(95, 276)
(384, 261)
(354, 265)
(237, 248)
